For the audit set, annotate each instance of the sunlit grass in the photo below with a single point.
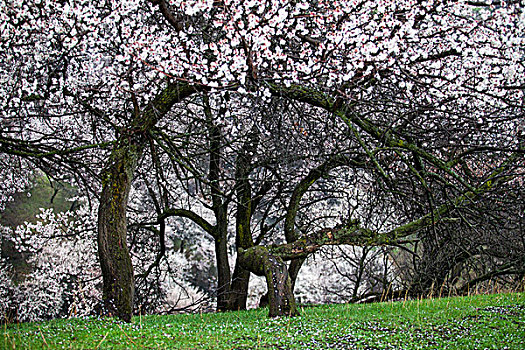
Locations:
(475, 322)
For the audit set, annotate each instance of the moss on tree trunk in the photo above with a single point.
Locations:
(115, 260)
(280, 296)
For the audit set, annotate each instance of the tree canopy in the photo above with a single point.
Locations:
(259, 119)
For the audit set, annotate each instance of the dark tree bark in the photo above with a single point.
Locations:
(219, 207)
(219, 231)
(115, 260)
(243, 236)
(223, 267)
(239, 288)
(280, 295)
(293, 269)
(117, 271)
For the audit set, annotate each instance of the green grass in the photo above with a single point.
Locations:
(475, 322)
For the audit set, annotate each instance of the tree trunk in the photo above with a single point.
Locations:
(295, 267)
(223, 271)
(239, 288)
(243, 234)
(115, 260)
(280, 296)
(219, 206)
(293, 270)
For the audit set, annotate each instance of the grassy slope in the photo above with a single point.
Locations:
(477, 322)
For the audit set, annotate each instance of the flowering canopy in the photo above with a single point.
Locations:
(426, 89)
(442, 48)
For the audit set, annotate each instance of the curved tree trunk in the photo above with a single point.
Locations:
(295, 200)
(115, 260)
(280, 296)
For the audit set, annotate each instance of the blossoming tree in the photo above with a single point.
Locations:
(428, 91)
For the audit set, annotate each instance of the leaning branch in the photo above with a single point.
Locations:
(302, 187)
(352, 119)
(27, 149)
(353, 234)
(162, 104)
(184, 213)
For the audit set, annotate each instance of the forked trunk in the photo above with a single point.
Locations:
(280, 296)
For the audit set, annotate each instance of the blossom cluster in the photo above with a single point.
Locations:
(63, 277)
(453, 48)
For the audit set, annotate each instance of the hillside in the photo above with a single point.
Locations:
(474, 322)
